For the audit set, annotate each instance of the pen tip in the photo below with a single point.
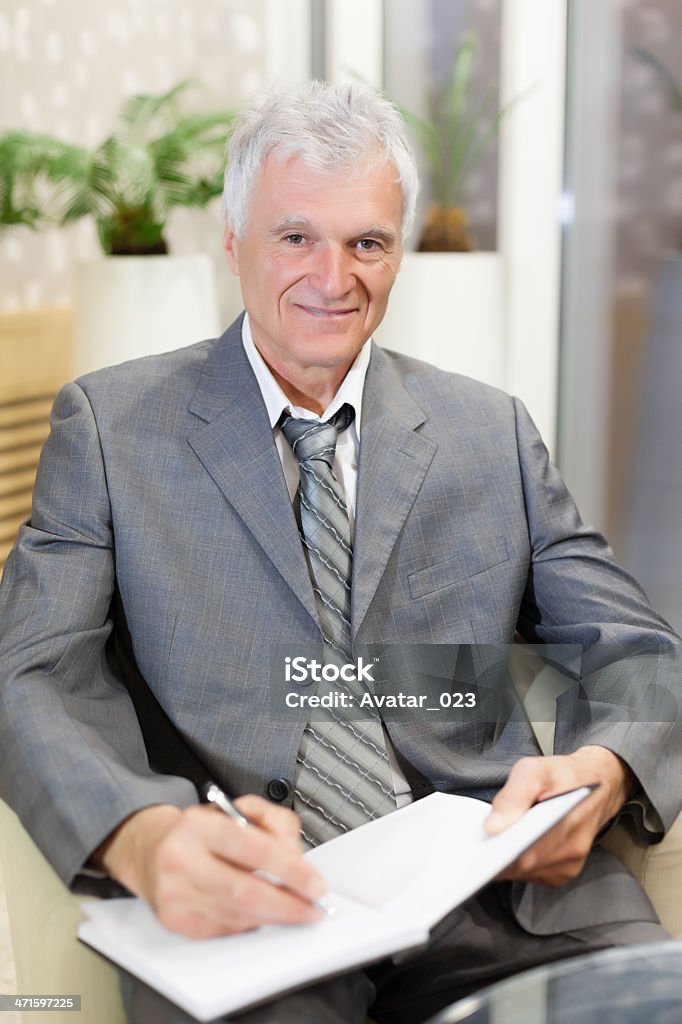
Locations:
(324, 904)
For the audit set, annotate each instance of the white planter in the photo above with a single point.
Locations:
(447, 308)
(130, 306)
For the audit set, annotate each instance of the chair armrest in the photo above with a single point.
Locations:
(44, 917)
(658, 868)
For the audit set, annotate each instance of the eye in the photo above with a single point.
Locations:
(368, 245)
(294, 238)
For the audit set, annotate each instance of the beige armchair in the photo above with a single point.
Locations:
(658, 868)
(43, 917)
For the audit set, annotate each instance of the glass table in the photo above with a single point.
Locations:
(628, 985)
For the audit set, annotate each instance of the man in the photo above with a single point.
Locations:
(171, 492)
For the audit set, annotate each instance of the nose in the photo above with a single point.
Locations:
(333, 277)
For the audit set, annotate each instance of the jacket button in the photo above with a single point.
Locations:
(279, 789)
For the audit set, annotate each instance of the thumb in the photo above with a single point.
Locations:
(521, 790)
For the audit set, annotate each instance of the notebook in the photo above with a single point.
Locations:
(390, 882)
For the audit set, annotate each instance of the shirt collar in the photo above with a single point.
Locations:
(276, 401)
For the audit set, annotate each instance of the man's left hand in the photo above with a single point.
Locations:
(560, 854)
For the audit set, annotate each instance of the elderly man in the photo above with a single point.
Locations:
(287, 487)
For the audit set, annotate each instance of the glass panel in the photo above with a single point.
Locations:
(622, 325)
(421, 41)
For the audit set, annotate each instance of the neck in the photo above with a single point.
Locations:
(316, 391)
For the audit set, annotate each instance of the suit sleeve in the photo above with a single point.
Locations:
(73, 762)
(624, 659)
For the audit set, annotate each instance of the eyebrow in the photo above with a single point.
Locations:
(291, 224)
(378, 231)
(384, 235)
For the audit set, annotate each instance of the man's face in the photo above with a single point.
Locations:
(317, 261)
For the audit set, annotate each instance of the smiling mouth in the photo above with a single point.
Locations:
(333, 313)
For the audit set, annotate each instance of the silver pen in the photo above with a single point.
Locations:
(214, 795)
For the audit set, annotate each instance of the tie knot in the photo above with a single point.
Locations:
(311, 439)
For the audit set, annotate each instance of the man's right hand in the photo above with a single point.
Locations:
(196, 867)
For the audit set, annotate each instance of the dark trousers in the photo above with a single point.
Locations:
(478, 944)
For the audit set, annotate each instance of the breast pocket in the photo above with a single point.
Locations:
(462, 565)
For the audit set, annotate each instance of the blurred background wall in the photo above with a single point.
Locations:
(620, 379)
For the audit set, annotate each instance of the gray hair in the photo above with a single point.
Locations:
(331, 127)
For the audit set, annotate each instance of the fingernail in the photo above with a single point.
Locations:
(494, 822)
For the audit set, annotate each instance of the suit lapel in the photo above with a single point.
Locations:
(234, 443)
(393, 462)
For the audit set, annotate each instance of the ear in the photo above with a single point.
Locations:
(231, 247)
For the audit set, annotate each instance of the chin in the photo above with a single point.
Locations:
(336, 348)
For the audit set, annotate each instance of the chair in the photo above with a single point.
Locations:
(44, 916)
(658, 868)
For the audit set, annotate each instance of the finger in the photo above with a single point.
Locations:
(279, 820)
(531, 867)
(538, 857)
(199, 893)
(254, 848)
(239, 900)
(527, 782)
(228, 902)
(556, 857)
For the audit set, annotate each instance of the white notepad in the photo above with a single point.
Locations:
(390, 881)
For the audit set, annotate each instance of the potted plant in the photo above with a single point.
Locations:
(157, 159)
(448, 302)
(454, 140)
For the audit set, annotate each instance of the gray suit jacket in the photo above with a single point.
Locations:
(161, 477)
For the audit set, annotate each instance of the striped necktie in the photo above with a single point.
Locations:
(343, 775)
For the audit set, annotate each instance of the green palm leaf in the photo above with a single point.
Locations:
(459, 132)
(139, 112)
(158, 158)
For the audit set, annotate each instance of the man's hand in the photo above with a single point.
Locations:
(561, 853)
(196, 867)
